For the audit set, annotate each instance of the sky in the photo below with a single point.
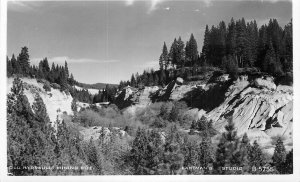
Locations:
(107, 41)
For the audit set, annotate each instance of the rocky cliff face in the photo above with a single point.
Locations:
(258, 107)
(56, 102)
(130, 96)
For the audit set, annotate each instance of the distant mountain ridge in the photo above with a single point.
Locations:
(96, 85)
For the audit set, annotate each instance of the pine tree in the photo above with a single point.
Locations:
(241, 41)
(262, 46)
(9, 68)
(23, 60)
(287, 54)
(289, 163)
(206, 152)
(154, 153)
(133, 81)
(205, 48)
(41, 114)
(94, 157)
(220, 43)
(66, 70)
(279, 156)
(231, 38)
(29, 134)
(190, 151)
(227, 148)
(150, 79)
(138, 79)
(191, 50)
(172, 53)
(72, 80)
(138, 152)
(180, 54)
(256, 159)
(173, 158)
(243, 154)
(163, 59)
(63, 79)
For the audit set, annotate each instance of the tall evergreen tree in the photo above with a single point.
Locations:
(279, 156)
(231, 38)
(256, 159)
(67, 70)
(23, 60)
(205, 48)
(206, 151)
(180, 55)
(227, 149)
(15, 64)
(243, 154)
(191, 50)
(133, 81)
(241, 41)
(164, 59)
(173, 158)
(138, 152)
(9, 68)
(172, 53)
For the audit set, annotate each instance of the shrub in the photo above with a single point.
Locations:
(47, 87)
(55, 85)
(159, 123)
(90, 118)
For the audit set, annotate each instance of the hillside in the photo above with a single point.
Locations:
(258, 107)
(90, 90)
(56, 102)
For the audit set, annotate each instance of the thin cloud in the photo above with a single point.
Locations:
(153, 4)
(62, 59)
(22, 6)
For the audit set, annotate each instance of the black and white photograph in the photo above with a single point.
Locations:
(149, 87)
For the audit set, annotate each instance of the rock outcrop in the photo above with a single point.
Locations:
(258, 107)
(56, 102)
(262, 112)
(130, 96)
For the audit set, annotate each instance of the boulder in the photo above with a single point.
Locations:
(265, 83)
(179, 81)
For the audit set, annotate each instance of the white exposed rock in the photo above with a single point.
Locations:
(285, 89)
(254, 109)
(223, 78)
(179, 92)
(56, 102)
(144, 98)
(179, 81)
(265, 83)
(128, 92)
